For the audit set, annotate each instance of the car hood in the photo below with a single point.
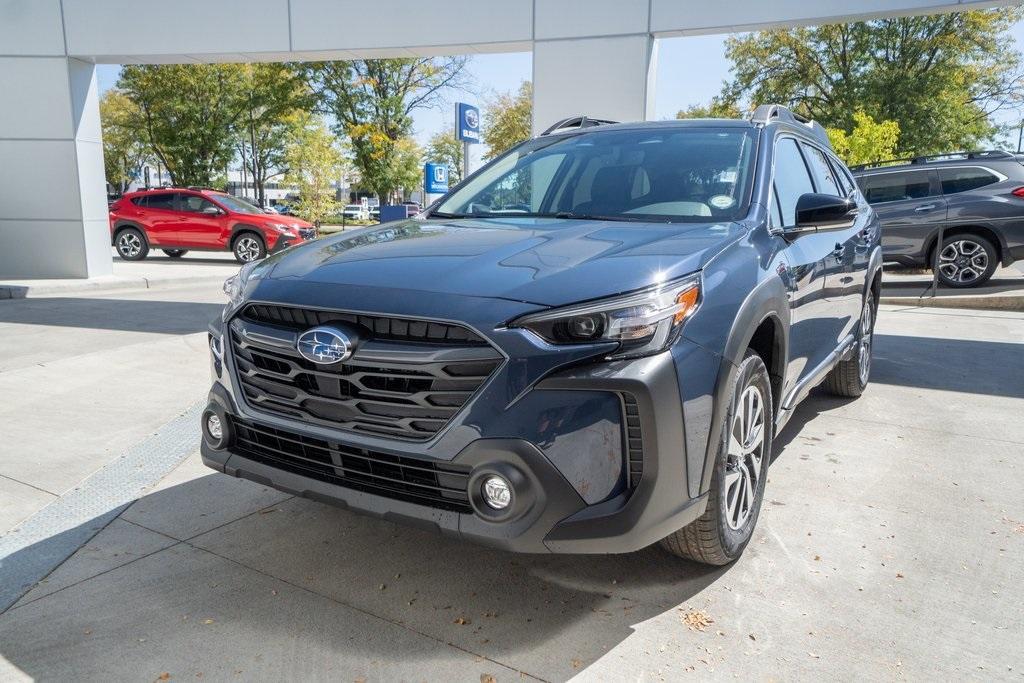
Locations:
(542, 261)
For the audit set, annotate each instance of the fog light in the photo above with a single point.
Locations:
(214, 427)
(497, 492)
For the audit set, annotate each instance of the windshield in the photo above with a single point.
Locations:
(680, 174)
(237, 204)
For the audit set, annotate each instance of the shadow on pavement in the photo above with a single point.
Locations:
(962, 365)
(129, 315)
(300, 569)
(159, 259)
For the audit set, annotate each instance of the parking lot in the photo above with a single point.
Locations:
(890, 544)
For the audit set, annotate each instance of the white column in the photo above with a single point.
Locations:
(605, 78)
(53, 211)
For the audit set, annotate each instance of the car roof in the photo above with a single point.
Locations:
(982, 158)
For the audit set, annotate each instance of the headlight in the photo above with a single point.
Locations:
(281, 228)
(234, 286)
(642, 323)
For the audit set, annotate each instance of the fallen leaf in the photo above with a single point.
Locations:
(462, 621)
(697, 620)
(751, 636)
(208, 621)
(164, 677)
(576, 663)
(488, 678)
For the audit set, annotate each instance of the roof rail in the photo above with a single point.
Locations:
(937, 158)
(199, 188)
(576, 123)
(766, 113)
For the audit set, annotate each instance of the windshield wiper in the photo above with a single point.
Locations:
(591, 217)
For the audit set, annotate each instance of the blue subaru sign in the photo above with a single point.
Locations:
(467, 122)
(435, 178)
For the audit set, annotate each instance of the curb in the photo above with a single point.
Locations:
(988, 302)
(102, 285)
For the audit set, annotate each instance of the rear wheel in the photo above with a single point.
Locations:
(737, 482)
(175, 253)
(850, 377)
(248, 246)
(131, 244)
(966, 261)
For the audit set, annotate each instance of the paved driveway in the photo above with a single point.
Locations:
(890, 546)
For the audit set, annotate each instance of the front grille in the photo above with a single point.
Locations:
(307, 233)
(634, 439)
(408, 399)
(426, 482)
(381, 327)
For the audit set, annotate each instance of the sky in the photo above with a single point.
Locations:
(690, 71)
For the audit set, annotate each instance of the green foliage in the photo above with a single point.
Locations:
(372, 102)
(869, 140)
(187, 114)
(123, 149)
(508, 119)
(938, 77)
(719, 108)
(269, 95)
(314, 162)
(444, 148)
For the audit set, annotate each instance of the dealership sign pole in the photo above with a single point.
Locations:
(467, 129)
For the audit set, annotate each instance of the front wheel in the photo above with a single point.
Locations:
(249, 247)
(966, 261)
(131, 245)
(741, 468)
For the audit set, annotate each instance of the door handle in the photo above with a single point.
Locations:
(925, 207)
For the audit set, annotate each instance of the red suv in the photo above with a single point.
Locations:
(178, 220)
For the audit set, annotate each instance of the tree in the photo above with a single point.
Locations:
(188, 114)
(869, 140)
(444, 148)
(508, 120)
(269, 94)
(314, 163)
(123, 148)
(372, 102)
(719, 108)
(940, 78)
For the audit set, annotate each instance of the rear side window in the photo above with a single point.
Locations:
(963, 179)
(895, 187)
(164, 200)
(791, 179)
(823, 177)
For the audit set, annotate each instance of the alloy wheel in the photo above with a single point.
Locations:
(247, 249)
(129, 244)
(745, 457)
(963, 261)
(866, 330)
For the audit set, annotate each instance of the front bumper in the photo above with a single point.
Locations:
(561, 503)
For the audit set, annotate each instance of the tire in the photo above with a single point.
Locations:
(248, 247)
(719, 535)
(131, 244)
(850, 377)
(966, 260)
(175, 253)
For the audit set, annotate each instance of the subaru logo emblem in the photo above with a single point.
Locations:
(324, 345)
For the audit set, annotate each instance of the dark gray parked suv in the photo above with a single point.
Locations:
(586, 347)
(976, 197)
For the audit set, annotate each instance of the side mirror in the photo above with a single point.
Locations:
(211, 211)
(823, 212)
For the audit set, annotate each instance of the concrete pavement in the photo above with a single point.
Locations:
(890, 544)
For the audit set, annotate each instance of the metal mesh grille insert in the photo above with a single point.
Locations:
(435, 484)
(634, 439)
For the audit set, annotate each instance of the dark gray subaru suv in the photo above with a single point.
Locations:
(586, 347)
